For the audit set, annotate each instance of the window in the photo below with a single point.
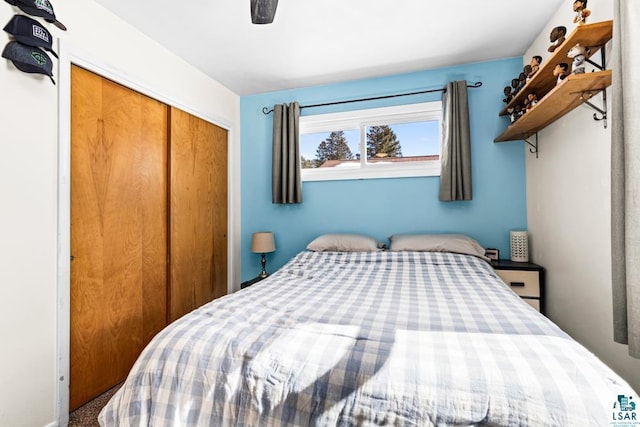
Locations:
(388, 142)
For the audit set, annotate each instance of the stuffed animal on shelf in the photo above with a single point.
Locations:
(557, 37)
(508, 96)
(577, 53)
(582, 13)
(535, 65)
(560, 72)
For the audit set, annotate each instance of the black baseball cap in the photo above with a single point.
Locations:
(41, 8)
(30, 32)
(29, 59)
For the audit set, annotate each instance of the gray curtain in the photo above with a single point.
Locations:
(286, 185)
(625, 176)
(455, 174)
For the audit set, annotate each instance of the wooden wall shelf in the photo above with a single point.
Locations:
(589, 35)
(573, 91)
(554, 101)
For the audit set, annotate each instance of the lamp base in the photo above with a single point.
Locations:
(263, 273)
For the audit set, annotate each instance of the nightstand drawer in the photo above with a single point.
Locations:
(535, 303)
(524, 283)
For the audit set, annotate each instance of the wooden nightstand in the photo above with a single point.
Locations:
(525, 278)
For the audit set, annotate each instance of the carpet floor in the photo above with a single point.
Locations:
(87, 414)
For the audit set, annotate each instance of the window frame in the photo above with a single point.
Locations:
(360, 120)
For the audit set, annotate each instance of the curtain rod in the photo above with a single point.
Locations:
(266, 110)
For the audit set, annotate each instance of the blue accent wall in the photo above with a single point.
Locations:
(381, 207)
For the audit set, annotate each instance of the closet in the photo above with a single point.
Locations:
(148, 225)
(198, 213)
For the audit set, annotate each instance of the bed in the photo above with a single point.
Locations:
(400, 338)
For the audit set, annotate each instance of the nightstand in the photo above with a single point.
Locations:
(251, 282)
(525, 278)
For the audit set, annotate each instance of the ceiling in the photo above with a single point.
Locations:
(315, 42)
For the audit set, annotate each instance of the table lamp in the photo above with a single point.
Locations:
(262, 243)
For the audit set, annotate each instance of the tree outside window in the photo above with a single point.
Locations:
(382, 142)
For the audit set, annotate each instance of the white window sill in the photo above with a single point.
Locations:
(419, 169)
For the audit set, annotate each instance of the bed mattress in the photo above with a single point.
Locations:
(368, 338)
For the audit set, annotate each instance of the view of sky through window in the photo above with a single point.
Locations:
(416, 139)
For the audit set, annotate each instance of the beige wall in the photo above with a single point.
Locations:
(29, 185)
(568, 195)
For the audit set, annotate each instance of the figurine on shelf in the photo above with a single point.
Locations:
(533, 99)
(535, 65)
(526, 70)
(582, 13)
(522, 80)
(560, 72)
(557, 37)
(516, 114)
(577, 53)
(515, 84)
(508, 96)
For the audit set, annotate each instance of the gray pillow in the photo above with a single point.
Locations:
(456, 243)
(344, 242)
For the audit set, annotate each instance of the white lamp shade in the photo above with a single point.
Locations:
(262, 242)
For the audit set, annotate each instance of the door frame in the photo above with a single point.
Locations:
(70, 55)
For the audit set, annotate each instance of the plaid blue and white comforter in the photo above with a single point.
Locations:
(384, 338)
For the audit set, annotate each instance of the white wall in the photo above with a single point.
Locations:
(568, 195)
(28, 190)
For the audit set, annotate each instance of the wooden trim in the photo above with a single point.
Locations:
(168, 195)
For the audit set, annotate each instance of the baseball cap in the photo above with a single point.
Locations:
(29, 59)
(41, 8)
(30, 32)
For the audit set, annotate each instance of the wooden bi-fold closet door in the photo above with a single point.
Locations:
(148, 225)
(198, 212)
(118, 230)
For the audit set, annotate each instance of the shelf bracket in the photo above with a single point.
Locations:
(598, 66)
(533, 147)
(603, 61)
(603, 113)
(585, 96)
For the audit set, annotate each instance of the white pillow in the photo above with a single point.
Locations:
(456, 243)
(344, 242)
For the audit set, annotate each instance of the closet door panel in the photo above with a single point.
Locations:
(118, 230)
(198, 212)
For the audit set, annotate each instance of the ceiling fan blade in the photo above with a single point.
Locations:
(263, 11)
